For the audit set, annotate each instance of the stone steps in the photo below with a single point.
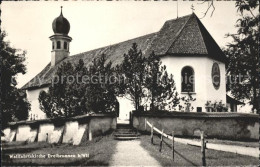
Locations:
(125, 135)
(126, 138)
(125, 132)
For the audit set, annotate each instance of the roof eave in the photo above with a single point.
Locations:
(192, 55)
(37, 87)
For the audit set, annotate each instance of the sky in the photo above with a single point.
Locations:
(97, 24)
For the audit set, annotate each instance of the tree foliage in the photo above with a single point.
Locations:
(77, 90)
(15, 105)
(101, 93)
(161, 86)
(133, 69)
(243, 66)
(147, 81)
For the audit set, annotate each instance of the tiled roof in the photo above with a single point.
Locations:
(184, 36)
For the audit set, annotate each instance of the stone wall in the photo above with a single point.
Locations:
(61, 130)
(237, 126)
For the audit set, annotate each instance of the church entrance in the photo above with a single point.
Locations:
(125, 107)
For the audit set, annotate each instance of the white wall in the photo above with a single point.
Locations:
(204, 89)
(25, 129)
(33, 96)
(56, 134)
(45, 130)
(70, 131)
(125, 106)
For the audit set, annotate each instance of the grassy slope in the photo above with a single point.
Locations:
(186, 155)
(100, 151)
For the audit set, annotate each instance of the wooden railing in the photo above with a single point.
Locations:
(201, 144)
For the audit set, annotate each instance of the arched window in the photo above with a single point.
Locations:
(52, 45)
(65, 45)
(188, 80)
(58, 45)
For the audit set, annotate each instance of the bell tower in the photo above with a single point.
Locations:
(60, 39)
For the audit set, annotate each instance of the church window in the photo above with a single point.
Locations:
(65, 45)
(58, 45)
(187, 84)
(52, 45)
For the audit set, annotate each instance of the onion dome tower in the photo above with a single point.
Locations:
(60, 39)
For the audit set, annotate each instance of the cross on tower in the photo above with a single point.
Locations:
(61, 9)
(192, 8)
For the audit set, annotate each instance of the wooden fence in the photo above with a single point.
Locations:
(201, 144)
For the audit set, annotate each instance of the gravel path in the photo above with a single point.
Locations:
(130, 153)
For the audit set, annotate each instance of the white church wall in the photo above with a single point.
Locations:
(202, 74)
(33, 96)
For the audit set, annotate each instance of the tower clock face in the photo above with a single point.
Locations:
(215, 74)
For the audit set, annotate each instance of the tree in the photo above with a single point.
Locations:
(160, 85)
(60, 99)
(15, 105)
(78, 90)
(133, 69)
(243, 66)
(146, 80)
(101, 91)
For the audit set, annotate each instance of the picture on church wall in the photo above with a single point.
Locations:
(216, 75)
(130, 83)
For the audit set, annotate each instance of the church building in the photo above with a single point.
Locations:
(184, 45)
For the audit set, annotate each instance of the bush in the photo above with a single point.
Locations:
(216, 106)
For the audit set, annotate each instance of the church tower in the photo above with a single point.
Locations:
(60, 39)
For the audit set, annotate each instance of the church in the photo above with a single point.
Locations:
(183, 44)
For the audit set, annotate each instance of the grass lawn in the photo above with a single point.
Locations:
(100, 151)
(186, 155)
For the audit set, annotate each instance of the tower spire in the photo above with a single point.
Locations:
(60, 39)
(61, 10)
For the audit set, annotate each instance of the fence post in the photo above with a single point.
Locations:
(152, 134)
(130, 118)
(47, 140)
(173, 145)
(145, 124)
(203, 149)
(160, 149)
